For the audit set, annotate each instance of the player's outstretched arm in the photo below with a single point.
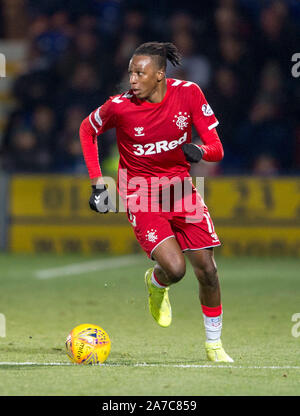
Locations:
(99, 200)
(205, 123)
(89, 145)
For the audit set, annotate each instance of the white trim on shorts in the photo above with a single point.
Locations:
(201, 248)
(160, 243)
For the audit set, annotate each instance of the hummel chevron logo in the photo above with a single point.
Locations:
(139, 131)
(97, 199)
(127, 95)
(117, 100)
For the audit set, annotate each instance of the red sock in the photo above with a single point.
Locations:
(212, 311)
(213, 322)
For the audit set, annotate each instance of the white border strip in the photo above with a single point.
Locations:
(88, 266)
(251, 367)
(90, 119)
(201, 248)
(213, 125)
(97, 117)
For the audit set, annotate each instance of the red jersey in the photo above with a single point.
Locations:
(150, 135)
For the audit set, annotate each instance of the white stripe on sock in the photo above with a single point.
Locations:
(155, 282)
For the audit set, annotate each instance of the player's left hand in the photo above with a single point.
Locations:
(192, 152)
(100, 201)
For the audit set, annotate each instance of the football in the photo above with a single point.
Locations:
(88, 344)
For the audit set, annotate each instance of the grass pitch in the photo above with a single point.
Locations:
(259, 298)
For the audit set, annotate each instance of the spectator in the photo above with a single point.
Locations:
(195, 67)
(68, 155)
(82, 88)
(85, 48)
(233, 53)
(53, 41)
(24, 154)
(272, 86)
(238, 51)
(225, 98)
(71, 159)
(265, 165)
(44, 127)
(227, 21)
(182, 22)
(264, 133)
(276, 37)
(36, 85)
(30, 132)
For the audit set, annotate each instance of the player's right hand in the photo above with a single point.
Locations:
(100, 201)
(192, 152)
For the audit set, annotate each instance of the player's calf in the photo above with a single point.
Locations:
(207, 275)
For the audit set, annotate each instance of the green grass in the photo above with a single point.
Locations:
(259, 297)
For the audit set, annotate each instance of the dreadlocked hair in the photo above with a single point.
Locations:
(162, 51)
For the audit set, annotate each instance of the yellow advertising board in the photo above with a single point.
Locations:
(254, 200)
(251, 215)
(63, 239)
(120, 239)
(46, 197)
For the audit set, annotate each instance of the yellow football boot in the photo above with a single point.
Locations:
(158, 299)
(215, 352)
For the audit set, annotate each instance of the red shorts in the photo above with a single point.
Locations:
(191, 232)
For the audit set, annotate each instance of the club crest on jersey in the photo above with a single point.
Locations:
(206, 110)
(139, 131)
(180, 120)
(152, 235)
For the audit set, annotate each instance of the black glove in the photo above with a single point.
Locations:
(192, 152)
(100, 201)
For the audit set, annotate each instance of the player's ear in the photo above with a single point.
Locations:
(160, 75)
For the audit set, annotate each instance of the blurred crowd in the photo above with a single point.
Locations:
(238, 51)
